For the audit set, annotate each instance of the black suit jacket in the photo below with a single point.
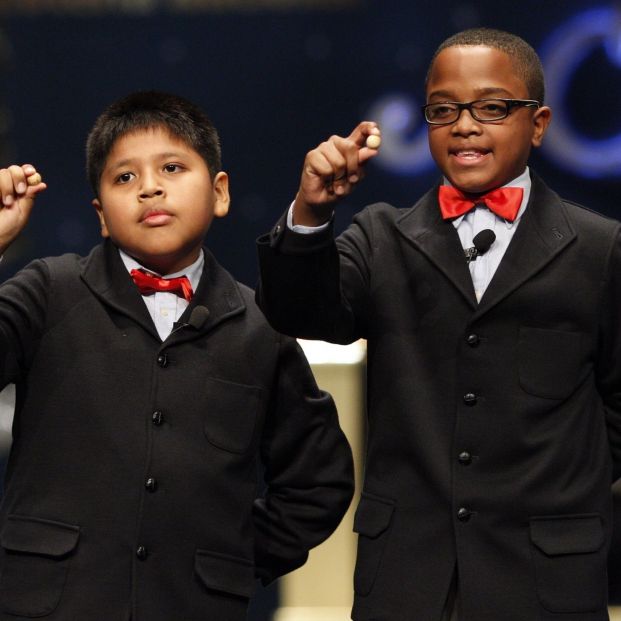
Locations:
(134, 483)
(493, 428)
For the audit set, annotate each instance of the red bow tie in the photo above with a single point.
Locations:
(149, 283)
(504, 202)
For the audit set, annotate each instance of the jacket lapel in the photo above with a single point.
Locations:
(217, 292)
(438, 240)
(543, 233)
(106, 276)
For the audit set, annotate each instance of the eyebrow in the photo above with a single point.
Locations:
(160, 156)
(481, 93)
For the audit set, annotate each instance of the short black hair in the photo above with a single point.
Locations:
(148, 110)
(526, 62)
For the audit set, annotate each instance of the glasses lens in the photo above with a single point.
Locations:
(441, 113)
(489, 109)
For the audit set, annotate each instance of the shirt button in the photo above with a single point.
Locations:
(157, 418)
(463, 515)
(472, 340)
(141, 553)
(151, 484)
(470, 398)
(162, 360)
(465, 458)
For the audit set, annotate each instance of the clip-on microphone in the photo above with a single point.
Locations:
(482, 242)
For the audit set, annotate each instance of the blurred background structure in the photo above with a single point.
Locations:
(277, 77)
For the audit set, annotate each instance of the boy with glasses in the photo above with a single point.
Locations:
(494, 369)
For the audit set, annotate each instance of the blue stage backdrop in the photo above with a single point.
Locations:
(277, 81)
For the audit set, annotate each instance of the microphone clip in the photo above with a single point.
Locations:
(471, 254)
(198, 318)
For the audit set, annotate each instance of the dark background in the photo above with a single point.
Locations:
(276, 82)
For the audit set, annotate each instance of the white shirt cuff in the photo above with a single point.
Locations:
(300, 228)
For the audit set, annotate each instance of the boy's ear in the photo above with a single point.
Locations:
(102, 221)
(221, 190)
(541, 120)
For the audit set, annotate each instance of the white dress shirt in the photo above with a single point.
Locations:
(164, 307)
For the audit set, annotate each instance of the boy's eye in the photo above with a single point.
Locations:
(171, 168)
(125, 177)
(443, 110)
(491, 107)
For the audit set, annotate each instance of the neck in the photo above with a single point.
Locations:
(163, 265)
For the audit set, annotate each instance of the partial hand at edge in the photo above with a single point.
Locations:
(19, 186)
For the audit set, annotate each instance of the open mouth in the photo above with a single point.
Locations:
(469, 155)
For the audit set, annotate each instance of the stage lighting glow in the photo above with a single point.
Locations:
(404, 147)
(564, 51)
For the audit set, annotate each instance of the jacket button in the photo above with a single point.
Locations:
(157, 418)
(463, 515)
(465, 458)
(472, 340)
(470, 398)
(162, 360)
(141, 553)
(151, 484)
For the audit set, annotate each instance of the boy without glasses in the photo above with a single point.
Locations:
(494, 381)
(145, 417)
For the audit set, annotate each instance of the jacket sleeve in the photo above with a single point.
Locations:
(23, 304)
(314, 286)
(609, 360)
(308, 469)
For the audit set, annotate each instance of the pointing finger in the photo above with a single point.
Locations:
(361, 131)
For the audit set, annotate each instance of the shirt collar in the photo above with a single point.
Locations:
(193, 271)
(522, 181)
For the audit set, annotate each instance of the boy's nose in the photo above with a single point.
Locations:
(466, 123)
(150, 188)
(149, 192)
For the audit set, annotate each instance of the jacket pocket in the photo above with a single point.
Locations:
(224, 573)
(372, 519)
(570, 562)
(37, 555)
(232, 411)
(549, 361)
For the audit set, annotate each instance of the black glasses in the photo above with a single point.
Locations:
(483, 110)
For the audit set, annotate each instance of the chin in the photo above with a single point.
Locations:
(473, 186)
